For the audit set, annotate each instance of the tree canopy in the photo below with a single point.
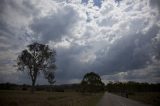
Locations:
(37, 57)
(92, 83)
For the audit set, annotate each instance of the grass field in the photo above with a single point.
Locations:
(42, 98)
(152, 98)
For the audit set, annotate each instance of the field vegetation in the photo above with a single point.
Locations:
(44, 98)
(152, 98)
(143, 92)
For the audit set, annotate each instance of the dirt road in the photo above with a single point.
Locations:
(114, 100)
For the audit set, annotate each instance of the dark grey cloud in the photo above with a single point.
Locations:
(5, 30)
(2, 6)
(149, 74)
(155, 3)
(55, 26)
(128, 53)
(12, 28)
(131, 53)
(68, 63)
(23, 7)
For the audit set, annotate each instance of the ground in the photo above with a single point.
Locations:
(110, 99)
(134, 99)
(152, 98)
(43, 98)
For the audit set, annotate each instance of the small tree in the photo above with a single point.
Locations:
(92, 83)
(36, 58)
(51, 80)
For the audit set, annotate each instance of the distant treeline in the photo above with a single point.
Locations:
(10, 86)
(57, 88)
(110, 87)
(132, 87)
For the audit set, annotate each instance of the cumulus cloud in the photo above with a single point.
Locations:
(54, 26)
(120, 42)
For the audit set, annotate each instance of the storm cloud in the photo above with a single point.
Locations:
(120, 42)
(54, 27)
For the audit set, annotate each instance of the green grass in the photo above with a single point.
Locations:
(152, 98)
(42, 98)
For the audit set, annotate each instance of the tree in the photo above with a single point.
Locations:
(51, 80)
(92, 83)
(36, 58)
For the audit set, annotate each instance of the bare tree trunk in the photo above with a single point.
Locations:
(51, 88)
(33, 81)
(33, 87)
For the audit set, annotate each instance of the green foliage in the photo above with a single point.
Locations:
(92, 83)
(37, 57)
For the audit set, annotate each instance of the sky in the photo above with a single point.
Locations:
(118, 39)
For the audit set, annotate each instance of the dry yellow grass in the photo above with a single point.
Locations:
(42, 98)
